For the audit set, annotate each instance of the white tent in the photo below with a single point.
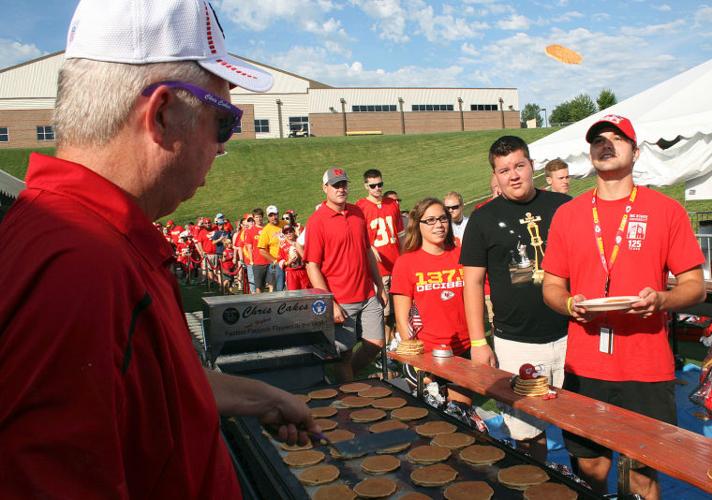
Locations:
(678, 110)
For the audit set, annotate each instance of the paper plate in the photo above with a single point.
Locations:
(609, 303)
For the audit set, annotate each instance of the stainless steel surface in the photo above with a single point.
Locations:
(442, 353)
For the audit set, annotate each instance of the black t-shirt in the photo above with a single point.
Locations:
(508, 238)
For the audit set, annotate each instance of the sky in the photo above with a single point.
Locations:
(626, 46)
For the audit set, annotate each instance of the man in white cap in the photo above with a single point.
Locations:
(103, 395)
(620, 240)
(339, 259)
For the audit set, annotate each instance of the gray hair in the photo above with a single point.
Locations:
(95, 98)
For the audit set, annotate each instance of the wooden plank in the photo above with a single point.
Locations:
(677, 452)
(364, 132)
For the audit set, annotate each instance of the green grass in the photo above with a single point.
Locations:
(287, 172)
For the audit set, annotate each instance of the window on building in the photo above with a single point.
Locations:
(484, 107)
(4, 134)
(261, 126)
(433, 107)
(238, 128)
(299, 124)
(373, 108)
(45, 133)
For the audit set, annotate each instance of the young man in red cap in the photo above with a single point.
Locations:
(384, 228)
(103, 395)
(620, 240)
(339, 259)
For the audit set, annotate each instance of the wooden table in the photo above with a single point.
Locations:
(677, 452)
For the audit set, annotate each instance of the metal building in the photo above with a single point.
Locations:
(295, 106)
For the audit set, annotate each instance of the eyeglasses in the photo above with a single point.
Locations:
(452, 207)
(431, 221)
(286, 217)
(227, 125)
(376, 185)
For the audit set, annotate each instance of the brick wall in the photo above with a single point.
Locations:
(331, 124)
(22, 127)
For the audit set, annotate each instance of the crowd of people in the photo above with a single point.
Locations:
(103, 394)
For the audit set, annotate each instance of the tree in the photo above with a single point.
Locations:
(530, 112)
(561, 114)
(606, 99)
(574, 110)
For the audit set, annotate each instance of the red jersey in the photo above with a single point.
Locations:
(434, 283)
(175, 233)
(204, 237)
(257, 257)
(287, 250)
(384, 223)
(338, 242)
(114, 403)
(184, 251)
(657, 239)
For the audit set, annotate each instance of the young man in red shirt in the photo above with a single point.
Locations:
(339, 259)
(620, 239)
(384, 230)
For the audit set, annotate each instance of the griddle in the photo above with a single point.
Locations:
(261, 457)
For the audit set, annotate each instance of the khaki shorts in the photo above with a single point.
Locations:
(511, 355)
(363, 320)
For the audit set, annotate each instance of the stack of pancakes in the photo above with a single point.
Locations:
(410, 347)
(531, 387)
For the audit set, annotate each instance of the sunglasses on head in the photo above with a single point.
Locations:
(376, 185)
(226, 124)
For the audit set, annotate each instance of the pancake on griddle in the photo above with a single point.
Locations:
(431, 429)
(375, 392)
(427, 454)
(325, 424)
(303, 397)
(303, 458)
(393, 449)
(453, 441)
(339, 435)
(481, 454)
(550, 491)
(319, 474)
(433, 475)
(354, 387)
(296, 447)
(367, 415)
(375, 487)
(334, 492)
(414, 495)
(521, 477)
(380, 464)
(469, 490)
(323, 411)
(388, 425)
(389, 403)
(355, 402)
(409, 413)
(323, 394)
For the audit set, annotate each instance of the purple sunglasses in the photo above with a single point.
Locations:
(226, 125)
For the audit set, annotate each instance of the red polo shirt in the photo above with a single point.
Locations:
(338, 242)
(102, 395)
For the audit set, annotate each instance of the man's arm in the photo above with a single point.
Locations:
(401, 307)
(557, 296)
(264, 253)
(377, 280)
(690, 290)
(316, 278)
(278, 410)
(474, 297)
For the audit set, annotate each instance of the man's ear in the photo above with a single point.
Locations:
(548, 180)
(160, 112)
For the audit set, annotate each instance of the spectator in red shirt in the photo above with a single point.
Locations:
(291, 261)
(339, 259)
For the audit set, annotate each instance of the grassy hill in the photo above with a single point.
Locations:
(288, 172)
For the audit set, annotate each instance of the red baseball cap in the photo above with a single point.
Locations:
(622, 123)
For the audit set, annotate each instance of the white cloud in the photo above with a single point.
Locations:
(390, 18)
(653, 29)
(439, 28)
(662, 8)
(514, 23)
(469, 49)
(258, 15)
(703, 16)
(567, 16)
(13, 52)
(312, 62)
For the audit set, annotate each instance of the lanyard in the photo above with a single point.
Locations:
(607, 267)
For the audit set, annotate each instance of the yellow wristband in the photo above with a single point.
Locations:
(570, 306)
(478, 342)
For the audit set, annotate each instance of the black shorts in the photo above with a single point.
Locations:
(260, 274)
(653, 399)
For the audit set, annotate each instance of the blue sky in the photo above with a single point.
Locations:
(627, 46)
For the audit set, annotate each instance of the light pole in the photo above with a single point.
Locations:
(343, 112)
(462, 116)
(400, 103)
(501, 109)
(279, 118)
(545, 120)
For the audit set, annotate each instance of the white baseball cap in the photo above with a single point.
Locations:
(272, 210)
(153, 31)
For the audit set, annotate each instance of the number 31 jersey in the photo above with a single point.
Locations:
(384, 222)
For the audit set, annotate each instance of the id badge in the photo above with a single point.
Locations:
(606, 340)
